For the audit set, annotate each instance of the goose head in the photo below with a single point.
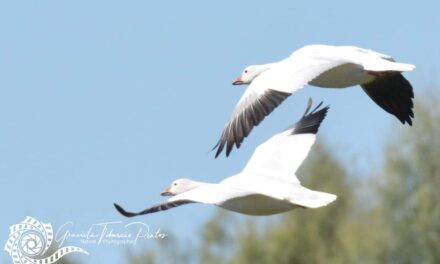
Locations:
(180, 186)
(250, 73)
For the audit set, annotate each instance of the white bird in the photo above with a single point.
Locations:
(318, 65)
(267, 185)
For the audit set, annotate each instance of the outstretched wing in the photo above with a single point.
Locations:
(157, 208)
(267, 91)
(207, 194)
(280, 156)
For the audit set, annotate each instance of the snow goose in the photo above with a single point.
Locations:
(267, 185)
(323, 66)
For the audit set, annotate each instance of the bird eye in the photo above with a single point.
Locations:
(175, 184)
(245, 71)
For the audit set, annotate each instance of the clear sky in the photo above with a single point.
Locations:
(104, 101)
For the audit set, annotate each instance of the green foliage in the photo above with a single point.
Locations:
(215, 238)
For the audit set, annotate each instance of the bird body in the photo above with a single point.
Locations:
(236, 199)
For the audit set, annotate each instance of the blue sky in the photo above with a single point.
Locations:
(104, 101)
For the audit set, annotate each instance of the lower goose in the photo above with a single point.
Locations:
(267, 185)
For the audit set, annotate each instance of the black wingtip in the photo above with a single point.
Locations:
(218, 152)
(122, 211)
(219, 146)
(311, 121)
(394, 94)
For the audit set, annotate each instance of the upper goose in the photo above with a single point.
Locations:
(266, 186)
(318, 65)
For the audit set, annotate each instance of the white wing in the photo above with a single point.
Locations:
(280, 156)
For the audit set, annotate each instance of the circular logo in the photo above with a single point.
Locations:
(32, 243)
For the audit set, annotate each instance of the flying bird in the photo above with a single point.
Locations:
(267, 185)
(323, 66)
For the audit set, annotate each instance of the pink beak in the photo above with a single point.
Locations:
(237, 81)
(166, 192)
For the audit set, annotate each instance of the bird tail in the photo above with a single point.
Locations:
(312, 199)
